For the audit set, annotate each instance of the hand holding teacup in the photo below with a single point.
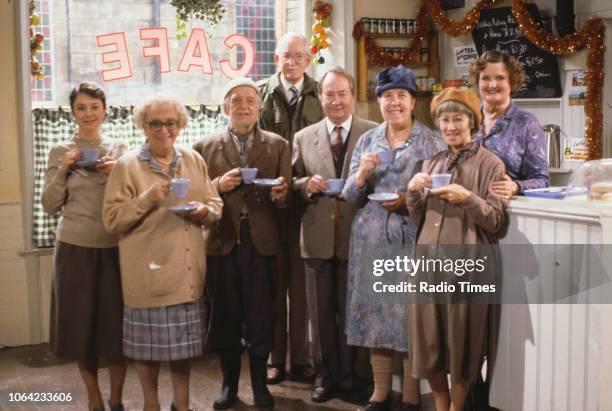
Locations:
(367, 164)
(279, 192)
(70, 158)
(158, 191)
(316, 184)
(419, 182)
(230, 181)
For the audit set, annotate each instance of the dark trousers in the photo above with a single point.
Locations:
(334, 359)
(241, 290)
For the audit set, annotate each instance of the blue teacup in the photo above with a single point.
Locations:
(90, 154)
(248, 175)
(440, 180)
(386, 156)
(335, 185)
(180, 186)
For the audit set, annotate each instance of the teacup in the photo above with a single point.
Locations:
(386, 156)
(248, 175)
(180, 186)
(440, 180)
(335, 185)
(90, 154)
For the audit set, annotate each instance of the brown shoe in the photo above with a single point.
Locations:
(276, 374)
(302, 372)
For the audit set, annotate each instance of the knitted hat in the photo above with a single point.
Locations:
(238, 82)
(395, 77)
(459, 95)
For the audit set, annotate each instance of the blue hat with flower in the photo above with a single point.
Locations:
(395, 77)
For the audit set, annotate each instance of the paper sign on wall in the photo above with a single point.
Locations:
(464, 55)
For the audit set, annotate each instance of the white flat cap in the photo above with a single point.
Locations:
(239, 82)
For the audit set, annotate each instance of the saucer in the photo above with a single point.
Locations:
(331, 193)
(267, 182)
(183, 208)
(382, 197)
(85, 164)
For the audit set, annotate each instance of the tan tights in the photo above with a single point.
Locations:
(445, 400)
(381, 360)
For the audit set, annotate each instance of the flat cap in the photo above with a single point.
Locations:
(239, 82)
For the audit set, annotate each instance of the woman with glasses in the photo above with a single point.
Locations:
(157, 199)
(384, 160)
(459, 221)
(86, 302)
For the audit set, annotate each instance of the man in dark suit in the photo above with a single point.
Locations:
(323, 151)
(242, 247)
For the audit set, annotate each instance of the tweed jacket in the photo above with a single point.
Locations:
(274, 116)
(270, 154)
(326, 222)
(162, 255)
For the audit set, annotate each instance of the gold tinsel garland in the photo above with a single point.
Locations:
(379, 56)
(591, 35)
(448, 25)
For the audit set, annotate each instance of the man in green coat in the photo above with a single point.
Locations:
(290, 103)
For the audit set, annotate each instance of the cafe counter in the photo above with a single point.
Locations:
(556, 356)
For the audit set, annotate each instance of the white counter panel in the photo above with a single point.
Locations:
(551, 356)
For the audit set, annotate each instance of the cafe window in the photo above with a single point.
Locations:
(257, 21)
(42, 88)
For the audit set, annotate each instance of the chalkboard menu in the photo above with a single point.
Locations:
(498, 30)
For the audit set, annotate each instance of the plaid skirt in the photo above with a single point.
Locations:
(164, 333)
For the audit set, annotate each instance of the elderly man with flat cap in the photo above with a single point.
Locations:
(242, 247)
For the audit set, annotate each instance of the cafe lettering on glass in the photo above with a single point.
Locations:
(195, 54)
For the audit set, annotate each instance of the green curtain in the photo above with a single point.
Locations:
(52, 126)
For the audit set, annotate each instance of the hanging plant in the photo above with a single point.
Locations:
(36, 43)
(320, 30)
(209, 11)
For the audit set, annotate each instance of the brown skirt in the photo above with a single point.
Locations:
(451, 338)
(86, 303)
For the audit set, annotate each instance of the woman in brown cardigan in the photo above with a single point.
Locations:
(161, 248)
(453, 337)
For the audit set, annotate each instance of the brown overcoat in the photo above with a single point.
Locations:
(455, 337)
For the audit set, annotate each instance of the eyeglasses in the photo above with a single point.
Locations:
(157, 125)
(298, 58)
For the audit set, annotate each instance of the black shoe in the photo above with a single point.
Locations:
(116, 407)
(322, 393)
(230, 367)
(276, 374)
(379, 406)
(261, 394)
(355, 396)
(406, 406)
(302, 372)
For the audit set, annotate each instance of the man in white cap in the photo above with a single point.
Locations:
(242, 247)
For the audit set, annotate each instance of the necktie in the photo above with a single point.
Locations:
(294, 96)
(336, 142)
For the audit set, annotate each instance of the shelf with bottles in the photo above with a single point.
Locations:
(425, 61)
